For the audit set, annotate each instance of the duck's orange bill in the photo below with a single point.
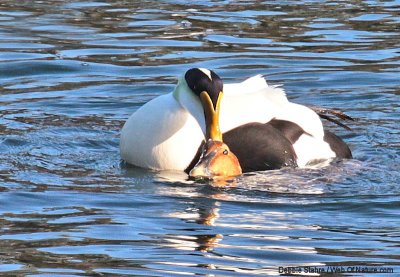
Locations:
(212, 116)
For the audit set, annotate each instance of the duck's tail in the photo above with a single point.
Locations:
(332, 114)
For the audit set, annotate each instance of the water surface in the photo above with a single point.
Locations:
(71, 73)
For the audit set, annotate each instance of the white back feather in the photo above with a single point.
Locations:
(250, 101)
(254, 101)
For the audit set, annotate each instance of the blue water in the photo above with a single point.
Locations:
(71, 73)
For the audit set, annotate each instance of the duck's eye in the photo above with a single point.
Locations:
(225, 152)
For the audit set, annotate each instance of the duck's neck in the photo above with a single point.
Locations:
(190, 102)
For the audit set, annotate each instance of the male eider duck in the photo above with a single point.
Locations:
(168, 132)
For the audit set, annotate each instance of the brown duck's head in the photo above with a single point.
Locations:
(216, 161)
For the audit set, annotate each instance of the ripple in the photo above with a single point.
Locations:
(370, 17)
(152, 23)
(237, 40)
(145, 42)
(83, 5)
(25, 45)
(10, 267)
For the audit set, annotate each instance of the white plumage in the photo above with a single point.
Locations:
(166, 132)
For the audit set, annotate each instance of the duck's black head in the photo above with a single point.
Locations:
(201, 79)
(208, 87)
